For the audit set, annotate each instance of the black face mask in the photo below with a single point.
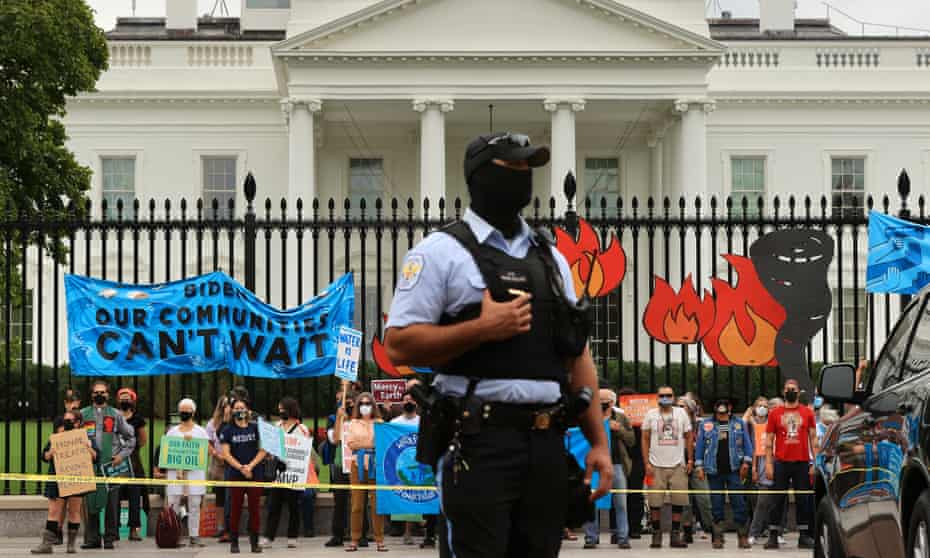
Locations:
(100, 399)
(605, 406)
(409, 407)
(240, 415)
(791, 396)
(498, 194)
(185, 416)
(125, 405)
(69, 425)
(283, 415)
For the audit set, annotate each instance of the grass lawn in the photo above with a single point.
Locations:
(33, 441)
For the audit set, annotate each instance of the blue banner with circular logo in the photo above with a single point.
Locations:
(208, 323)
(397, 465)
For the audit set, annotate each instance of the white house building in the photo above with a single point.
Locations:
(361, 99)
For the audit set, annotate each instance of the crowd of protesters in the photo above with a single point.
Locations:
(696, 457)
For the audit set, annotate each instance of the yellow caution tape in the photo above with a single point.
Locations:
(26, 477)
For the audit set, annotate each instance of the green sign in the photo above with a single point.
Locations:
(179, 453)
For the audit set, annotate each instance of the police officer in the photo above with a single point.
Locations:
(483, 303)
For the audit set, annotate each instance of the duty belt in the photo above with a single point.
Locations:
(521, 417)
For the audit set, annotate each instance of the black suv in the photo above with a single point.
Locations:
(872, 486)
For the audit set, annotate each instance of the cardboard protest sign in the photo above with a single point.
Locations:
(347, 353)
(209, 520)
(179, 453)
(73, 458)
(271, 438)
(388, 391)
(299, 461)
(637, 405)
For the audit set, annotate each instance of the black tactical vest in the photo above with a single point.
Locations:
(530, 355)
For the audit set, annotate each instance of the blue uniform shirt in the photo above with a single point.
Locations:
(440, 277)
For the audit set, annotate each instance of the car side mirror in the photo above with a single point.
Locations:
(838, 383)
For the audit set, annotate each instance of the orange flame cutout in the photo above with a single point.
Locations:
(379, 353)
(593, 270)
(747, 321)
(678, 318)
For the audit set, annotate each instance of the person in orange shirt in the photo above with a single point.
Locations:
(360, 438)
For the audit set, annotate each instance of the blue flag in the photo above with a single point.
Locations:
(579, 447)
(397, 465)
(208, 323)
(899, 255)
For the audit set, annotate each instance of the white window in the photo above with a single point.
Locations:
(849, 337)
(268, 4)
(601, 182)
(119, 183)
(847, 181)
(747, 182)
(219, 183)
(604, 338)
(21, 329)
(366, 181)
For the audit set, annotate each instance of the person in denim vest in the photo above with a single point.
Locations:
(724, 454)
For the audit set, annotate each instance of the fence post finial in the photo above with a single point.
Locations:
(570, 187)
(904, 190)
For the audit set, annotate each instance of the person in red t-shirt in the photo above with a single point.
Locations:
(791, 433)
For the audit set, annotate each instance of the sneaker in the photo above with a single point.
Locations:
(781, 540)
(625, 545)
(196, 542)
(334, 542)
(589, 544)
(805, 542)
(292, 543)
(428, 542)
(108, 545)
(753, 541)
(265, 542)
(363, 543)
(772, 543)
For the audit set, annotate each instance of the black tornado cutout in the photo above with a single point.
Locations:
(792, 265)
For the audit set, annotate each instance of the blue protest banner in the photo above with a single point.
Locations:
(347, 353)
(397, 465)
(203, 324)
(579, 447)
(899, 255)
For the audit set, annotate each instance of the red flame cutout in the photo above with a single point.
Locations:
(379, 353)
(681, 317)
(747, 321)
(593, 270)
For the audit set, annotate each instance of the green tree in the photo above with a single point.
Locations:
(49, 50)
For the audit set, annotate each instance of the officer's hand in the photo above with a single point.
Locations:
(699, 473)
(503, 320)
(743, 472)
(599, 460)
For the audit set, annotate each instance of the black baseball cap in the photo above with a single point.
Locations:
(506, 146)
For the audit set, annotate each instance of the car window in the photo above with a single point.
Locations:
(918, 357)
(887, 369)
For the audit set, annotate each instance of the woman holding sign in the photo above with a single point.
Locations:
(244, 457)
(289, 411)
(189, 430)
(58, 505)
(360, 438)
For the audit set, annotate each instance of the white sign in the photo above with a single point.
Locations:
(271, 438)
(347, 353)
(298, 457)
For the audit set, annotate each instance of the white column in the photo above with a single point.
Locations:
(693, 146)
(432, 150)
(300, 114)
(656, 143)
(563, 146)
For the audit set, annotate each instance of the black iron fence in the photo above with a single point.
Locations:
(286, 254)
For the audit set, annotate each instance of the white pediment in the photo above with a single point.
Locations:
(501, 27)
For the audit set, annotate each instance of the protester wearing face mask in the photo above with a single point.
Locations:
(58, 506)
(724, 454)
(360, 438)
(699, 508)
(669, 451)
(761, 503)
(189, 430)
(135, 495)
(108, 429)
(244, 462)
(792, 439)
(222, 415)
(409, 417)
(621, 437)
(289, 413)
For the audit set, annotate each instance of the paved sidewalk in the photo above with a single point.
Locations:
(312, 548)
